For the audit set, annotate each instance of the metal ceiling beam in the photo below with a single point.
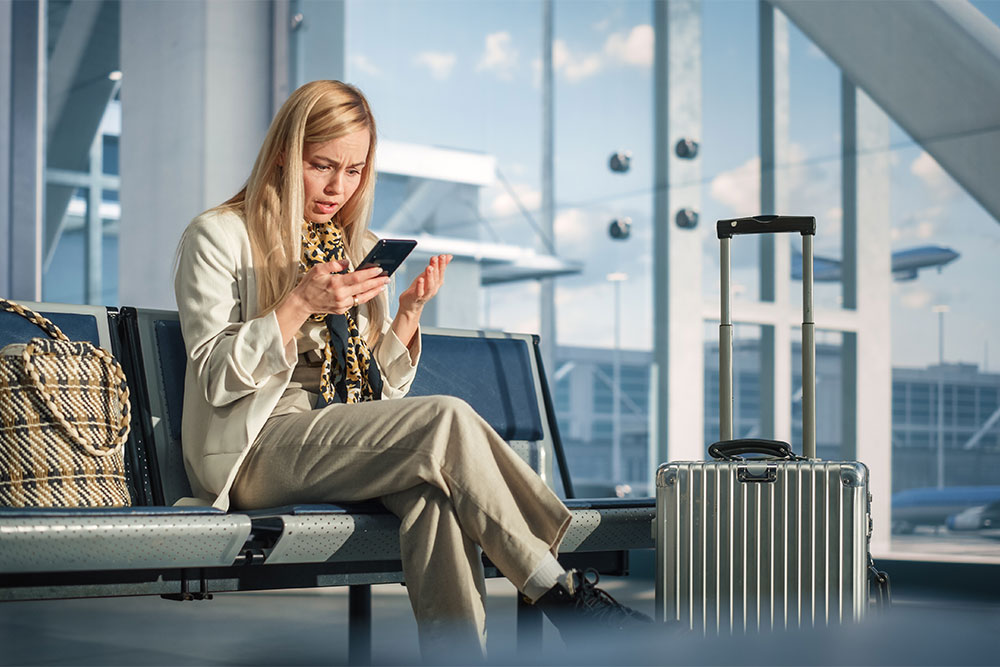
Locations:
(932, 65)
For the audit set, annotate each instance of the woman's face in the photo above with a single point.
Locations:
(331, 173)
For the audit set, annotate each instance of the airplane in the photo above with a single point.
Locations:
(939, 507)
(905, 263)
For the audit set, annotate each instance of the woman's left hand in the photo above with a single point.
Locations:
(425, 286)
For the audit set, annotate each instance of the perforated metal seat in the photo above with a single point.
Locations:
(126, 538)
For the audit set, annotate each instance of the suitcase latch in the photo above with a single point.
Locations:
(757, 472)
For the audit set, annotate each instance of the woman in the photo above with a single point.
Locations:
(291, 360)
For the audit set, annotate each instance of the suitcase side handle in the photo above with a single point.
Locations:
(766, 224)
(733, 450)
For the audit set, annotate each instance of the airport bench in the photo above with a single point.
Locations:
(188, 553)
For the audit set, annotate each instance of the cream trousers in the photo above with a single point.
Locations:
(435, 463)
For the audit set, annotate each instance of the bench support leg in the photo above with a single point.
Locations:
(529, 628)
(359, 624)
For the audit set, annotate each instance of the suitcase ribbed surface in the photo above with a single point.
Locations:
(759, 545)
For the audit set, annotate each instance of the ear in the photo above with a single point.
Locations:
(281, 159)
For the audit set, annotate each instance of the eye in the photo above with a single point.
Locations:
(354, 172)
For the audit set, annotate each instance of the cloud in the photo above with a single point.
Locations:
(636, 48)
(513, 307)
(933, 176)
(602, 25)
(502, 204)
(438, 63)
(633, 48)
(582, 233)
(578, 297)
(833, 223)
(739, 188)
(363, 64)
(913, 297)
(573, 223)
(920, 225)
(498, 56)
(811, 188)
(575, 67)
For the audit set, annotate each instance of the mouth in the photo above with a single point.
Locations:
(327, 206)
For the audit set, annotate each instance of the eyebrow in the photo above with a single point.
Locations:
(335, 162)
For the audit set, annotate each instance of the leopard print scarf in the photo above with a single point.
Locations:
(348, 371)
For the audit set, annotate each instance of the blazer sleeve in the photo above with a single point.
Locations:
(397, 363)
(230, 355)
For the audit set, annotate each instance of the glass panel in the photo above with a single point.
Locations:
(747, 402)
(946, 459)
(812, 177)
(585, 412)
(830, 443)
(730, 149)
(62, 278)
(84, 123)
(480, 62)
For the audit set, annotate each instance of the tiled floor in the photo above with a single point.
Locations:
(310, 628)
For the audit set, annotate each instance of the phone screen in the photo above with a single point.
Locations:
(388, 254)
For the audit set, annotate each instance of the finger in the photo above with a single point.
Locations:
(375, 283)
(365, 297)
(443, 264)
(430, 279)
(333, 266)
(363, 275)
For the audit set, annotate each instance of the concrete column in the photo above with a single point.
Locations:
(775, 254)
(677, 308)
(23, 187)
(867, 279)
(547, 297)
(318, 40)
(196, 104)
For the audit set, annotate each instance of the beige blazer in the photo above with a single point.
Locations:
(237, 367)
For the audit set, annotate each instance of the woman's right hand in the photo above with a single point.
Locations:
(324, 289)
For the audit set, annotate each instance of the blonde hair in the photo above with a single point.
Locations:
(272, 201)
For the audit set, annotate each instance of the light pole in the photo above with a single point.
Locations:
(940, 310)
(616, 279)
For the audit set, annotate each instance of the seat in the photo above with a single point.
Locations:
(137, 537)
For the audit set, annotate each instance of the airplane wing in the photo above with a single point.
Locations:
(825, 269)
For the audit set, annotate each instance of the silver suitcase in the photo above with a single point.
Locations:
(759, 543)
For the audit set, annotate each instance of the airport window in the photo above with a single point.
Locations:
(561, 394)
(80, 245)
(899, 402)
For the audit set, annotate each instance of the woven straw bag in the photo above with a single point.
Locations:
(64, 420)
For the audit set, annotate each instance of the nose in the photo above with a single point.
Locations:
(335, 185)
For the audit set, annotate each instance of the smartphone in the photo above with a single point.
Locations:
(388, 254)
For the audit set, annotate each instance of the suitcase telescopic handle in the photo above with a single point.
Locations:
(733, 450)
(766, 224)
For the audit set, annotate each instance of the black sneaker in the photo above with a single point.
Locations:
(579, 609)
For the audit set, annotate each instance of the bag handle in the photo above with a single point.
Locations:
(74, 433)
(766, 224)
(732, 450)
(37, 319)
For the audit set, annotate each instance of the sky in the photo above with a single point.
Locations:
(467, 75)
